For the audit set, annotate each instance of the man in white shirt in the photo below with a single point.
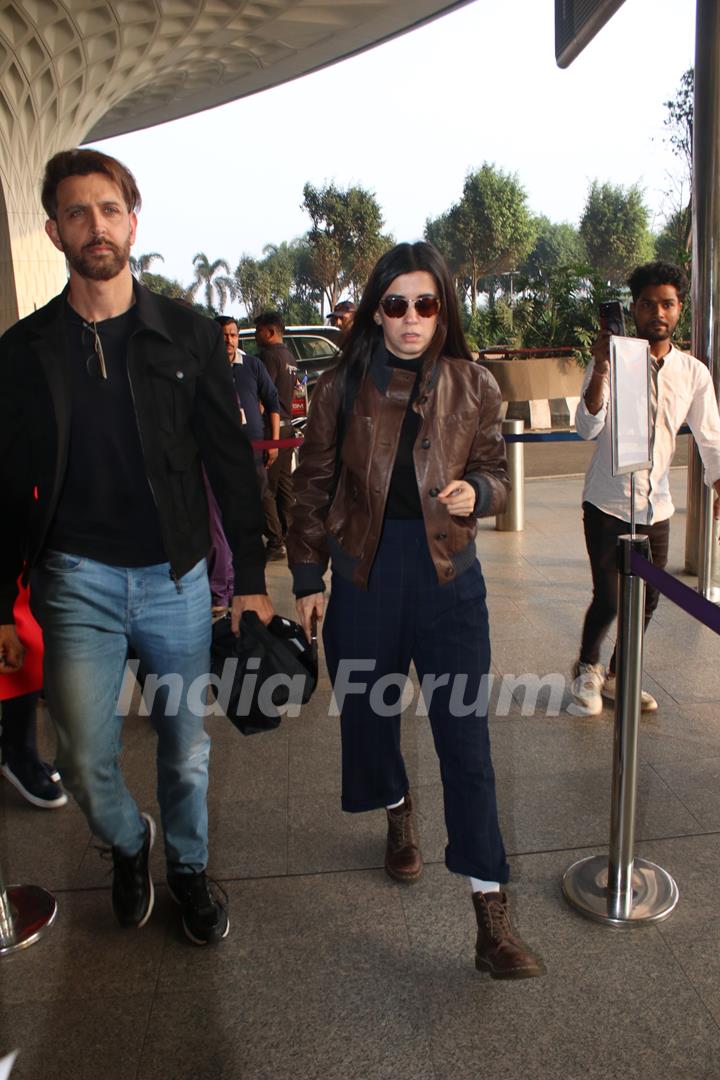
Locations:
(681, 392)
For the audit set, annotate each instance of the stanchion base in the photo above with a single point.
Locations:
(655, 893)
(33, 910)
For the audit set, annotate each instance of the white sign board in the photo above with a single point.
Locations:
(630, 405)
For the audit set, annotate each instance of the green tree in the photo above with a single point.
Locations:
(557, 245)
(140, 264)
(675, 240)
(165, 286)
(563, 309)
(614, 229)
(345, 238)
(253, 286)
(488, 231)
(207, 277)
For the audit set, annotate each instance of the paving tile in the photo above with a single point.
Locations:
(76, 1037)
(323, 837)
(321, 1022)
(279, 925)
(596, 1013)
(693, 863)
(85, 936)
(697, 785)
(40, 847)
(248, 837)
(570, 809)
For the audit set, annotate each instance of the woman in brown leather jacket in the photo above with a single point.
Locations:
(402, 453)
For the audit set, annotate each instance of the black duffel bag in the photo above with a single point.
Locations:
(275, 666)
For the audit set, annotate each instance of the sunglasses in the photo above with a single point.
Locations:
(396, 306)
(95, 363)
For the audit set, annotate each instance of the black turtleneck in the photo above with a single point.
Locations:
(404, 498)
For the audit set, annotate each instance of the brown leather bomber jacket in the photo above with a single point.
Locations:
(459, 439)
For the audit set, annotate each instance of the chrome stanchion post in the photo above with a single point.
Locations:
(628, 687)
(26, 912)
(512, 518)
(622, 890)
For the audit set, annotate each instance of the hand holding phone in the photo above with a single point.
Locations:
(611, 317)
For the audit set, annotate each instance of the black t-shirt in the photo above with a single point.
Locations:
(280, 363)
(106, 509)
(403, 497)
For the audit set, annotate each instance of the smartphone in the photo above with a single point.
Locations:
(611, 317)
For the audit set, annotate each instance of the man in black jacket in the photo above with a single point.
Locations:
(280, 363)
(111, 400)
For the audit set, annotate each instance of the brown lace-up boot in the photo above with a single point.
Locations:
(497, 950)
(403, 860)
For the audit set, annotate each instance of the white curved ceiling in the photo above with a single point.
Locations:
(120, 65)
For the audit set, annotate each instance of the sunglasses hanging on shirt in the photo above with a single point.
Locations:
(95, 363)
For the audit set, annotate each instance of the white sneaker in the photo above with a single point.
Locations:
(647, 701)
(586, 690)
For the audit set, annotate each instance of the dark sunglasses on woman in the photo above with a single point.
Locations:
(395, 307)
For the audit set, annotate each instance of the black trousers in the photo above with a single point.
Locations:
(18, 727)
(278, 494)
(371, 637)
(601, 534)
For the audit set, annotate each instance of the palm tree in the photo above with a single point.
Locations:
(141, 264)
(207, 276)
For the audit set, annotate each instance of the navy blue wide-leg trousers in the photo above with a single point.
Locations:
(406, 617)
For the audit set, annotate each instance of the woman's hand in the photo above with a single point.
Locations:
(459, 498)
(307, 606)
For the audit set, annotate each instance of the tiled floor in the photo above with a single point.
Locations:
(333, 971)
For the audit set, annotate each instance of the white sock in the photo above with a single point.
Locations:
(478, 885)
(394, 806)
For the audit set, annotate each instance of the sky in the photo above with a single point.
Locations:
(410, 118)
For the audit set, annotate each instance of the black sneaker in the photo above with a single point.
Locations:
(205, 920)
(36, 782)
(133, 895)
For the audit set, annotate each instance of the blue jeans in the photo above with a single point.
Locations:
(90, 613)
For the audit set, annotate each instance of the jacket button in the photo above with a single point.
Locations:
(441, 536)
(425, 444)
(434, 492)
(449, 572)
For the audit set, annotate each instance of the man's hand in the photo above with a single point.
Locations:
(260, 603)
(306, 607)
(595, 391)
(458, 498)
(601, 353)
(271, 457)
(12, 651)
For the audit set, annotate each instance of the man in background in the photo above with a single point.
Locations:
(342, 316)
(280, 363)
(681, 392)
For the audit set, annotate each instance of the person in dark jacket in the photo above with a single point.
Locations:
(402, 453)
(280, 363)
(112, 399)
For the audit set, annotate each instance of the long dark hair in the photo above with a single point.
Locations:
(364, 332)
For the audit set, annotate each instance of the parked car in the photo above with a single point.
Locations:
(315, 349)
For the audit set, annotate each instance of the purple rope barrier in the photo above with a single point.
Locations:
(682, 595)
